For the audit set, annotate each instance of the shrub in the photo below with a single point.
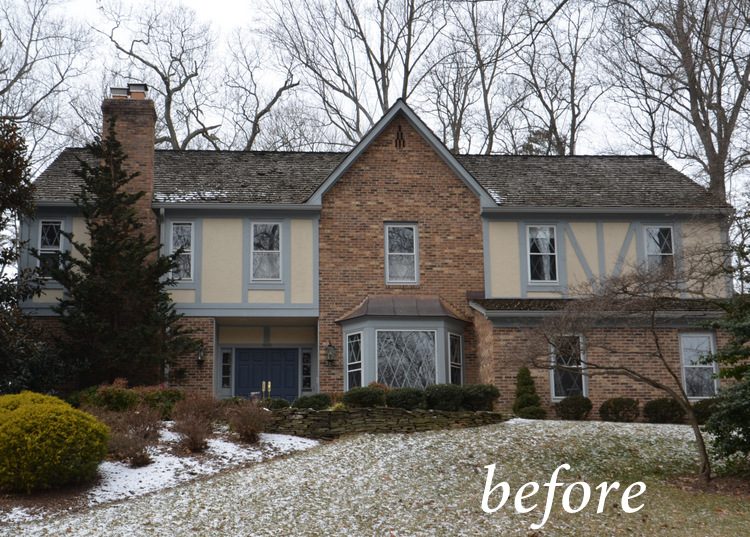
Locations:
(116, 396)
(194, 419)
(131, 432)
(664, 410)
(575, 407)
(338, 407)
(532, 413)
(704, 409)
(444, 397)
(276, 403)
(49, 445)
(13, 401)
(160, 398)
(364, 397)
(81, 398)
(479, 396)
(318, 401)
(730, 422)
(379, 386)
(621, 409)
(527, 404)
(248, 419)
(406, 398)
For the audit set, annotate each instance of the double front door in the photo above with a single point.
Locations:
(280, 367)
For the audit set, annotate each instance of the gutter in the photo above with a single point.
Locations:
(294, 207)
(489, 211)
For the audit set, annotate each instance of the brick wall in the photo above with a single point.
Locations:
(198, 377)
(387, 184)
(633, 347)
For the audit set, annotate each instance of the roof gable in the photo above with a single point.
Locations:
(402, 108)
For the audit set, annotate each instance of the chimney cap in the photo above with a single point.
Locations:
(119, 93)
(137, 90)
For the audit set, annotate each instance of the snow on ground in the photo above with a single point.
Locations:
(119, 481)
(427, 484)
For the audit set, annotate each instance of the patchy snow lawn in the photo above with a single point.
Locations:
(428, 484)
(119, 481)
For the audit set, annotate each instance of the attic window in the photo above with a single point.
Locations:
(400, 142)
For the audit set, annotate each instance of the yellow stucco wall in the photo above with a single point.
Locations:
(701, 239)
(614, 237)
(585, 236)
(281, 335)
(221, 267)
(263, 296)
(240, 335)
(301, 283)
(80, 234)
(182, 296)
(505, 267)
(48, 296)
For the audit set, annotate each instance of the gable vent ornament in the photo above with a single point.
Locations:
(400, 142)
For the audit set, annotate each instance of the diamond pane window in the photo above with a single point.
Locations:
(306, 371)
(542, 254)
(266, 252)
(182, 241)
(226, 369)
(401, 253)
(354, 360)
(567, 352)
(660, 248)
(456, 358)
(50, 244)
(698, 368)
(406, 358)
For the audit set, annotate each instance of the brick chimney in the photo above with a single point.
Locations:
(135, 119)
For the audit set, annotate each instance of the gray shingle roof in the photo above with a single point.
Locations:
(401, 306)
(557, 304)
(513, 181)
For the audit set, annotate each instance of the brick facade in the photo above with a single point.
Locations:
(388, 184)
(190, 374)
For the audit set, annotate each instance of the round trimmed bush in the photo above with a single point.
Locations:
(663, 410)
(13, 401)
(444, 397)
(531, 413)
(276, 403)
(406, 398)
(574, 407)
(620, 409)
(318, 401)
(368, 397)
(480, 396)
(49, 445)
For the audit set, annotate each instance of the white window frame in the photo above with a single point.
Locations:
(361, 368)
(450, 356)
(191, 251)
(41, 250)
(554, 254)
(646, 239)
(435, 355)
(415, 254)
(280, 251)
(553, 362)
(715, 366)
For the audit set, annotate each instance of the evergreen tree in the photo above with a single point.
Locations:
(118, 318)
(25, 361)
(527, 403)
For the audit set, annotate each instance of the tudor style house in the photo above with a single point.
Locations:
(396, 262)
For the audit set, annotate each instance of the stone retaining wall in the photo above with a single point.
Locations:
(332, 423)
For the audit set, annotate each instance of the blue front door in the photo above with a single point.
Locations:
(279, 366)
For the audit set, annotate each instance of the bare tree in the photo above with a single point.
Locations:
(248, 102)
(688, 64)
(643, 300)
(164, 46)
(358, 58)
(41, 52)
(560, 75)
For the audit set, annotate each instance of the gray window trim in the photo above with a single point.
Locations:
(712, 342)
(450, 363)
(556, 235)
(279, 223)
(415, 228)
(61, 246)
(361, 357)
(172, 250)
(585, 378)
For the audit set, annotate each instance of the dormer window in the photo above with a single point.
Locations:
(401, 246)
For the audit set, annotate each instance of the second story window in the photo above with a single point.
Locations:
(265, 255)
(542, 254)
(50, 244)
(659, 248)
(401, 253)
(182, 239)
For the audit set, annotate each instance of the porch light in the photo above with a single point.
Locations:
(330, 355)
(200, 357)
